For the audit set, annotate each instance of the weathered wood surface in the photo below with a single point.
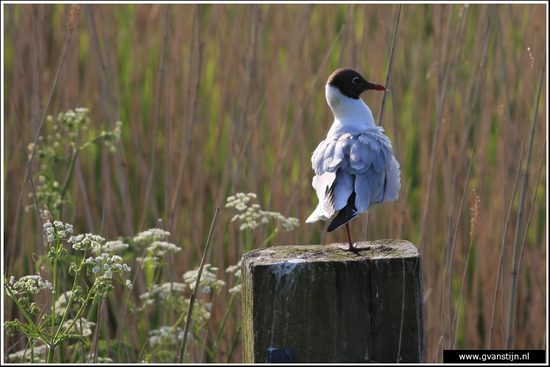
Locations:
(331, 305)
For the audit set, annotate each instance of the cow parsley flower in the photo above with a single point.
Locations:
(28, 284)
(251, 216)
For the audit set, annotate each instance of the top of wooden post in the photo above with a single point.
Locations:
(379, 249)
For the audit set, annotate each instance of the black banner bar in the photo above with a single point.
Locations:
(494, 356)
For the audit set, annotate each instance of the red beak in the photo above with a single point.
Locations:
(375, 86)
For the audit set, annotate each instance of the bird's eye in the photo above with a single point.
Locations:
(355, 80)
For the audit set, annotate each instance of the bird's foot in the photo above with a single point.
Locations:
(350, 247)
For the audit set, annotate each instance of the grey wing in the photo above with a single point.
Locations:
(363, 165)
(376, 171)
(332, 183)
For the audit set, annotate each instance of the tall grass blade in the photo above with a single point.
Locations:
(515, 265)
(386, 83)
(157, 117)
(196, 291)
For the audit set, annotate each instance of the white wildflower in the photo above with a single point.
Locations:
(61, 302)
(26, 353)
(208, 278)
(115, 246)
(164, 290)
(236, 289)
(252, 216)
(157, 336)
(236, 269)
(82, 322)
(152, 234)
(28, 284)
(163, 246)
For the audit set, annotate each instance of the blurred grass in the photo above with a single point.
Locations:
(258, 112)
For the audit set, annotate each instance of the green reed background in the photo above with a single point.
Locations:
(219, 99)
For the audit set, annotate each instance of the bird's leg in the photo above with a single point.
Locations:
(351, 246)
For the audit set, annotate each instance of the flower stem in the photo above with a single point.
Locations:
(51, 353)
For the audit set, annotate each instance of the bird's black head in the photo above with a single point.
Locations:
(351, 83)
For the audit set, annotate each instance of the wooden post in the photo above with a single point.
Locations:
(329, 305)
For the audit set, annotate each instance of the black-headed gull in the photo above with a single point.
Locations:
(354, 166)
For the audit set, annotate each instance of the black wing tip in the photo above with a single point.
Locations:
(340, 220)
(345, 215)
